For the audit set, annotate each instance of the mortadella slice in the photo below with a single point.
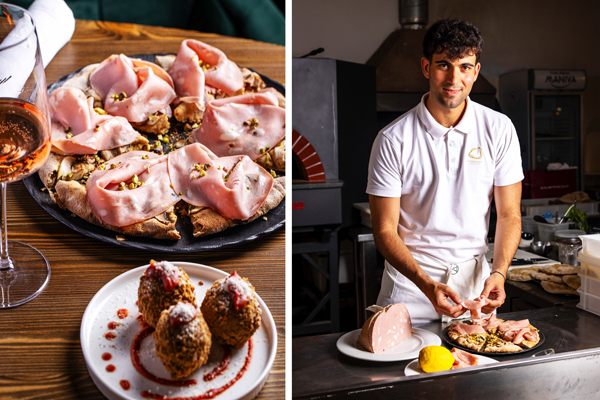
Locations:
(188, 77)
(131, 88)
(508, 325)
(78, 129)
(386, 328)
(490, 322)
(235, 187)
(198, 64)
(465, 329)
(112, 200)
(463, 359)
(242, 125)
(475, 306)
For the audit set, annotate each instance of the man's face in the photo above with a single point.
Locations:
(450, 81)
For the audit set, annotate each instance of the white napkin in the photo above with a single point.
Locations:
(55, 25)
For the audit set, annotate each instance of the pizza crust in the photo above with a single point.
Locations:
(521, 274)
(206, 221)
(560, 269)
(574, 281)
(558, 288)
(546, 277)
(72, 196)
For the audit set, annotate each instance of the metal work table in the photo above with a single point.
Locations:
(321, 371)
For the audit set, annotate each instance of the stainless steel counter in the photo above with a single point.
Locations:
(319, 370)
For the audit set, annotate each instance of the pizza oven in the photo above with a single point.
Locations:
(334, 125)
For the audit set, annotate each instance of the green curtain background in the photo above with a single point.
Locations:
(261, 20)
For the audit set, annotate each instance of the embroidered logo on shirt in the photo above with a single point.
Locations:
(475, 156)
(475, 153)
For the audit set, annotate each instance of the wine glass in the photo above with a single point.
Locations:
(24, 146)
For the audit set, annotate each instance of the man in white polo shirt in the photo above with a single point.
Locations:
(433, 174)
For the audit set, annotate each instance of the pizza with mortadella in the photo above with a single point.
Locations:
(490, 334)
(136, 146)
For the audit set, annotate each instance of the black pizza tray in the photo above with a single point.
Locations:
(449, 341)
(275, 218)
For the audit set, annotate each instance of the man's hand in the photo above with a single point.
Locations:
(493, 289)
(438, 294)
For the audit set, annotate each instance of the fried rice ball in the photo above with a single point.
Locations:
(182, 340)
(231, 310)
(163, 285)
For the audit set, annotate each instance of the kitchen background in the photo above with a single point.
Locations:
(336, 116)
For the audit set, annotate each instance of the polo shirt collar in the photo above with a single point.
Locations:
(466, 124)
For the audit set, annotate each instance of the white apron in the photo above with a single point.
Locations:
(466, 279)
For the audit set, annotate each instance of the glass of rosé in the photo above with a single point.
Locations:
(24, 146)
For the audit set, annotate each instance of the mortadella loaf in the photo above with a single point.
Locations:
(386, 328)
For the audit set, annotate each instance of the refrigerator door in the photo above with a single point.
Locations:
(556, 130)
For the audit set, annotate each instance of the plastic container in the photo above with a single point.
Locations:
(590, 285)
(591, 245)
(546, 231)
(365, 213)
(589, 266)
(529, 225)
(589, 302)
(531, 207)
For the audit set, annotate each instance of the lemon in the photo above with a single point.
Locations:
(435, 358)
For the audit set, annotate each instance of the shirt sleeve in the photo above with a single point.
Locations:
(385, 172)
(509, 168)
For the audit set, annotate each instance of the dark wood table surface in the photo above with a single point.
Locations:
(40, 351)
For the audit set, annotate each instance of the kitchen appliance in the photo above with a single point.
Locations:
(569, 245)
(334, 125)
(545, 107)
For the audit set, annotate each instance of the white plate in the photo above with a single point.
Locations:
(413, 367)
(348, 345)
(121, 293)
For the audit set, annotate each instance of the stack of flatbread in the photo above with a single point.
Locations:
(556, 279)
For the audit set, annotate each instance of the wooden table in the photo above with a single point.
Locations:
(40, 352)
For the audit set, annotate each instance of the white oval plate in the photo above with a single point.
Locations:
(120, 293)
(413, 368)
(348, 345)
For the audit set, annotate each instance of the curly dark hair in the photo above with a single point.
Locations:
(456, 37)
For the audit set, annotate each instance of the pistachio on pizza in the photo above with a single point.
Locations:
(113, 123)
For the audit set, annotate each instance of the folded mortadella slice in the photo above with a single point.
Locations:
(197, 64)
(115, 203)
(249, 125)
(78, 129)
(490, 322)
(235, 187)
(147, 87)
(463, 359)
(188, 77)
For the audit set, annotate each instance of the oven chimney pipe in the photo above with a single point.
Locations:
(414, 14)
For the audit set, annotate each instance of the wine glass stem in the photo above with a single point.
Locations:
(5, 262)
